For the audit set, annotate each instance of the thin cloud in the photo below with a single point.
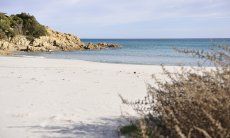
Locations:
(61, 14)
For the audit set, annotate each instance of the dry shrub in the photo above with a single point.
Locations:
(194, 103)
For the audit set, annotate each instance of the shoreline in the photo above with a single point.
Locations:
(41, 97)
(105, 62)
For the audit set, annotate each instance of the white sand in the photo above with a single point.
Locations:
(66, 98)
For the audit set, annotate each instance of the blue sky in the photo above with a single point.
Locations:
(129, 18)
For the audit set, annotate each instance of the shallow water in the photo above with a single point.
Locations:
(141, 51)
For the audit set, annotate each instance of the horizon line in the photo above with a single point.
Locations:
(166, 38)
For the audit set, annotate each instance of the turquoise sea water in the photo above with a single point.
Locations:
(141, 51)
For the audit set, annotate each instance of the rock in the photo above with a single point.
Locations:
(54, 41)
(57, 41)
(3, 52)
(7, 46)
(90, 46)
(105, 45)
(20, 41)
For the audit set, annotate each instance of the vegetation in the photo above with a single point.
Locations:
(129, 130)
(20, 24)
(193, 103)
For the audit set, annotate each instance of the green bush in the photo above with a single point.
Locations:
(130, 130)
(2, 34)
(23, 24)
(5, 26)
(31, 27)
(17, 24)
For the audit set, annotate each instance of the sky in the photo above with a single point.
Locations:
(129, 18)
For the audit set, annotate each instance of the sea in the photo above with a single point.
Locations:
(142, 51)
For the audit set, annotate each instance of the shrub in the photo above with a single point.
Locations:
(31, 27)
(130, 130)
(2, 34)
(193, 103)
(23, 24)
(5, 26)
(17, 24)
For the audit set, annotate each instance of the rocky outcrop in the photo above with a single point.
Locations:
(99, 46)
(107, 45)
(54, 41)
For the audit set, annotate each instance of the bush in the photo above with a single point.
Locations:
(31, 27)
(5, 26)
(130, 130)
(193, 103)
(2, 34)
(23, 24)
(17, 24)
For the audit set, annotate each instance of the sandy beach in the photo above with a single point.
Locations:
(93, 69)
(42, 97)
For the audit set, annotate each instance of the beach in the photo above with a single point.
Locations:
(42, 97)
(114, 69)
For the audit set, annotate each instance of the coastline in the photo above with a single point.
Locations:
(40, 94)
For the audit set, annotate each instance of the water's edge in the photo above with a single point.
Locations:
(140, 51)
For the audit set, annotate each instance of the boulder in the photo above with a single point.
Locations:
(8, 46)
(108, 45)
(90, 46)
